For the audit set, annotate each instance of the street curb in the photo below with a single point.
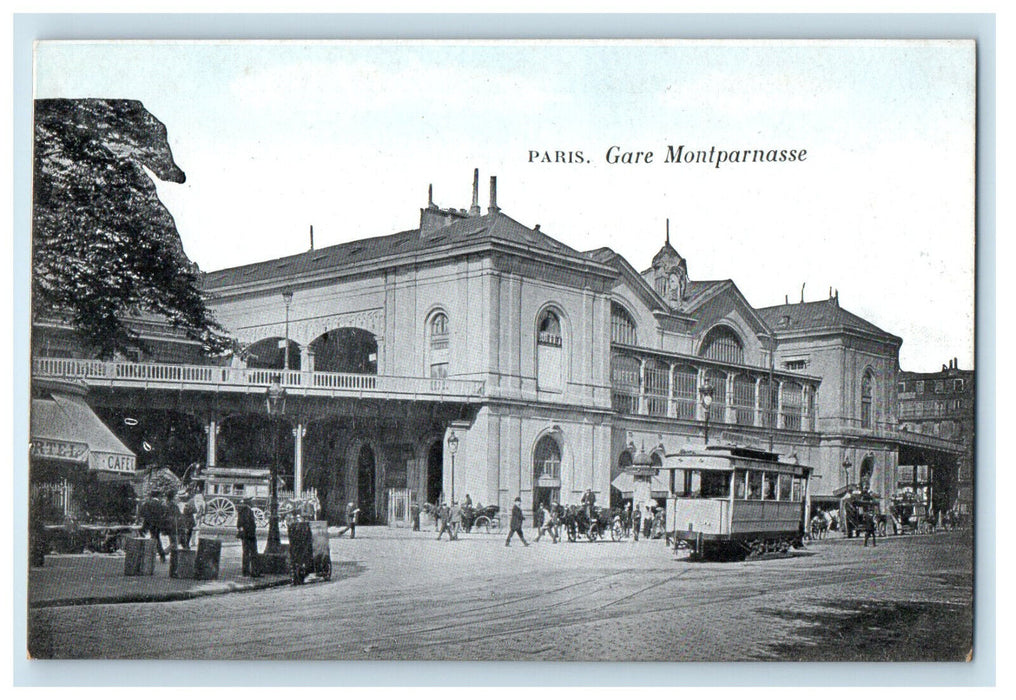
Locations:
(168, 597)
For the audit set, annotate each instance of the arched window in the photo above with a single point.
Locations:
(724, 345)
(793, 405)
(622, 327)
(867, 383)
(744, 399)
(718, 408)
(656, 387)
(685, 391)
(549, 361)
(546, 471)
(437, 345)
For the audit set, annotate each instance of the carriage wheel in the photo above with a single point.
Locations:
(482, 523)
(260, 517)
(219, 511)
(495, 524)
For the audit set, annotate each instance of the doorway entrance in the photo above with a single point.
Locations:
(365, 480)
(435, 472)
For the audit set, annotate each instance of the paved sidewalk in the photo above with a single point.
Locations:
(82, 579)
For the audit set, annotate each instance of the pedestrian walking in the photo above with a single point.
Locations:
(636, 522)
(455, 516)
(516, 523)
(444, 515)
(869, 528)
(647, 522)
(247, 533)
(188, 523)
(626, 519)
(546, 524)
(352, 515)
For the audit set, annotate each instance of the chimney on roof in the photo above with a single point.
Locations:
(312, 236)
(536, 228)
(430, 196)
(786, 298)
(668, 230)
(474, 210)
(802, 292)
(944, 368)
(493, 195)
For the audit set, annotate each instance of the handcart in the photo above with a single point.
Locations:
(309, 551)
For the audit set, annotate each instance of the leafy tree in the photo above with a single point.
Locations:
(105, 248)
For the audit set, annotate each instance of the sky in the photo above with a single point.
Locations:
(347, 136)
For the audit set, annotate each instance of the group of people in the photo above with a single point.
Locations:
(165, 515)
(641, 518)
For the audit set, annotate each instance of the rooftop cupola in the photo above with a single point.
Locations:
(670, 273)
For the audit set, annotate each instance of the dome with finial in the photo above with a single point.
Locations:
(670, 272)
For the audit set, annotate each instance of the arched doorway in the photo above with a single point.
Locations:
(435, 472)
(546, 472)
(867, 469)
(348, 350)
(365, 480)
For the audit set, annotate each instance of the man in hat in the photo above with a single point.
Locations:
(516, 523)
(247, 533)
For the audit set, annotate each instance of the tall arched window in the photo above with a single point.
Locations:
(718, 408)
(546, 471)
(549, 363)
(685, 391)
(724, 345)
(657, 379)
(744, 399)
(793, 405)
(867, 383)
(622, 327)
(624, 379)
(437, 345)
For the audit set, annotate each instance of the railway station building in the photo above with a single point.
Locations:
(479, 355)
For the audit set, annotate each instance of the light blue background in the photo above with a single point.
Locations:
(28, 28)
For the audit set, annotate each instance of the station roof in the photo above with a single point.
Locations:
(492, 227)
(818, 315)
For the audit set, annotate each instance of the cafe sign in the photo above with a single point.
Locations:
(112, 462)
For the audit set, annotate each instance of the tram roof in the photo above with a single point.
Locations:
(730, 457)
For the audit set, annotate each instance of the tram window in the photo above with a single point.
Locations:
(237, 488)
(693, 483)
(679, 482)
(769, 488)
(715, 484)
(755, 485)
(740, 485)
(784, 487)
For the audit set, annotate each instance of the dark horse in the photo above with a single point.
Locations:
(586, 520)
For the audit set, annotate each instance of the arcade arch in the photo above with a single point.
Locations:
(348, 350)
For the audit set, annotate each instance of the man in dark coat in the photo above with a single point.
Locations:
(247, 533)
(869, 528)
(516, 523)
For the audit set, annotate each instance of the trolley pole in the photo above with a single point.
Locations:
(276, 404)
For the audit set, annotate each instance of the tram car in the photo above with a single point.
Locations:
(225, 487)
(736, 502)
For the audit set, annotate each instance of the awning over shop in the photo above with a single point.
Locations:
(65, 429)
(659, 486)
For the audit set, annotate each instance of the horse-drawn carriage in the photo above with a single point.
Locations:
(225, 487)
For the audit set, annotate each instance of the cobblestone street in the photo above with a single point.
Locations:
(398, 595)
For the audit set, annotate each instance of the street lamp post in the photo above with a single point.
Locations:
(287, 298)
(453, 446)
(706, 397)
(846, 471)
(276, 404)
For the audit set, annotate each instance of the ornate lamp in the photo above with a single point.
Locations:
(706, 398)
(287, 298)
(453, 447)
(275, 402)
